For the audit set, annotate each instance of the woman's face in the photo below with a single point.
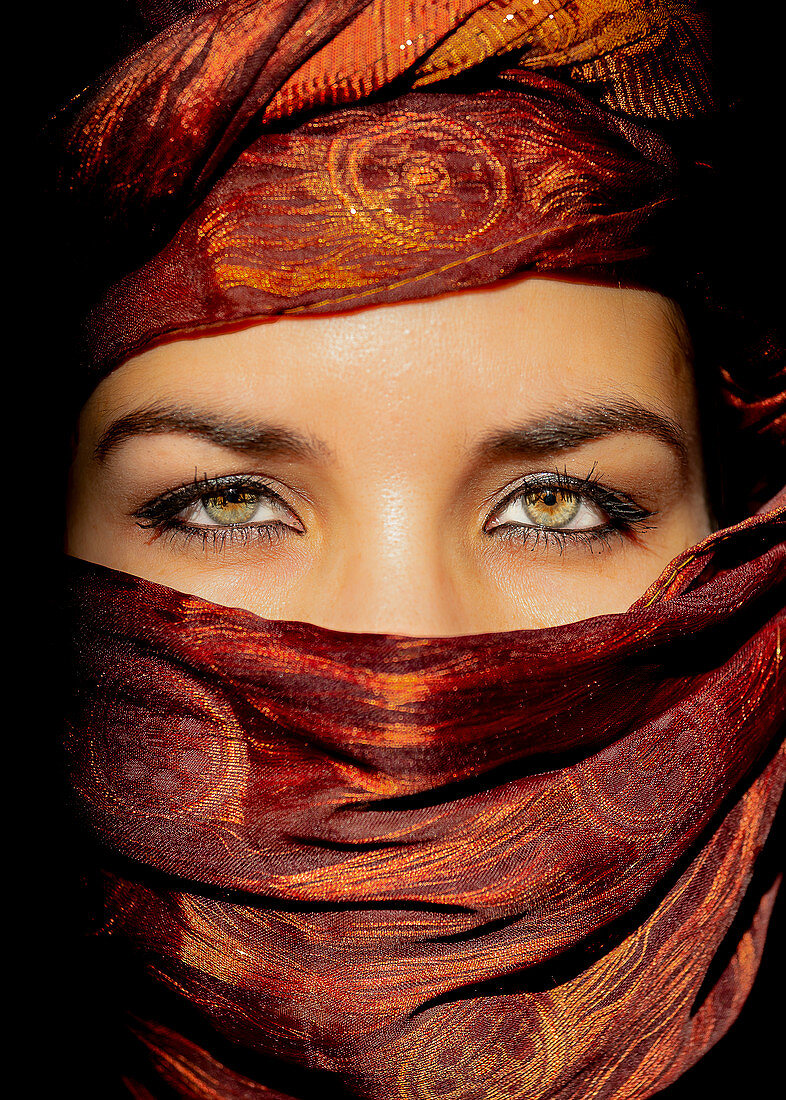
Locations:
(519, 456)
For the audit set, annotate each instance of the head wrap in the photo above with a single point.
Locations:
(421, 184)
(499, 866)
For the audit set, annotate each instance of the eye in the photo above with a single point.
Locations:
(549, 507)
(234, 505)
(555, 509)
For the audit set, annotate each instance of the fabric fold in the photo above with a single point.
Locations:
(520, 864)
(340, 846)
(251, 160)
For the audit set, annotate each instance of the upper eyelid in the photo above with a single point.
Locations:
(164, 510)
(617, 505)
(184, 495)
(588, 485)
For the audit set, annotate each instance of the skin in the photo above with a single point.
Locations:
(387, 525)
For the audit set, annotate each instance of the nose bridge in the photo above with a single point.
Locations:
(412, 597)
(396, 575)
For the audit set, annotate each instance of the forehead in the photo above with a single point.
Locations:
(534, 341)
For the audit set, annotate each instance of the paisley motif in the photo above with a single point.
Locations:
(505, 1047)
(420, 178)
(167, 767)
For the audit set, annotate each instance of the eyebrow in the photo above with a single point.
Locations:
(536, 438)
(235, 435)
(563, 431)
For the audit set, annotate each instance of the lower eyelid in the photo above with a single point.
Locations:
(600, 538)
(216, 537)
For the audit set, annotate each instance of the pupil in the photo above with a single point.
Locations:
(549, 499)
(230, 497)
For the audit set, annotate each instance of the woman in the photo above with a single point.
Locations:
(383, 470)
(428, 717)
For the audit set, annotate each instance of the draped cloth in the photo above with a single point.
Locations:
(218, 181)
(501, 865)
(506, 865)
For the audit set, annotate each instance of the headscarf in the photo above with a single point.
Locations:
(503, 865)
(420, 183)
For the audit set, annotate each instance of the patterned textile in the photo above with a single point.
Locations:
(488, 866)
(394, 868)
(219, 182)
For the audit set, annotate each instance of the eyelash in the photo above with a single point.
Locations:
(625, 516)
(162, 512)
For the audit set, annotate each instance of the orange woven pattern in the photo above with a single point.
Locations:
(206, 213)
(479, 867)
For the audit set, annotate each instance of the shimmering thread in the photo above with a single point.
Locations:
(376, 898)
(434, 868)
(156, 136)
(454, 263)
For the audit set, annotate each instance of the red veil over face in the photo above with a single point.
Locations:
(489, 866)
(504, 865)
